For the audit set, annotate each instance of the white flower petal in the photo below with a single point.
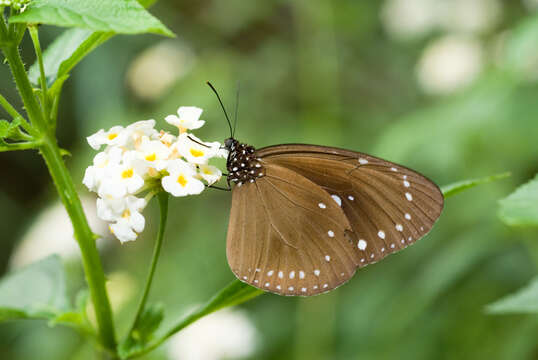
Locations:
(189, 146)
(122, 230)
(210, 173)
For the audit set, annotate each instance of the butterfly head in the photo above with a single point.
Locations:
(230, 144)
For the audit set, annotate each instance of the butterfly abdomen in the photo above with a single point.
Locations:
(242, 164)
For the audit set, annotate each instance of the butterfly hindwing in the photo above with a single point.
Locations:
(287, 235)
(388, 206)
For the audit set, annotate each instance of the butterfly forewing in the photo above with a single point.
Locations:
(388, 206)
(287, 235)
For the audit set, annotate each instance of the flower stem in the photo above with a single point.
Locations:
(64, 184)
(163, 206)
(18, 146)
(42, 78)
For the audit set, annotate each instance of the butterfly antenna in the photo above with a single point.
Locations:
(199, 143)
(236, 107)
(222, 106)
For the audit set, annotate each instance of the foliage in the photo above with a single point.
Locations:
(521, 207)
(360, 93)
(120, 17)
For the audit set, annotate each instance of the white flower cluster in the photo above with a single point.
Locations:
(138, 159)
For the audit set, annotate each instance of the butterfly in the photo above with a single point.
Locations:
(304, 218)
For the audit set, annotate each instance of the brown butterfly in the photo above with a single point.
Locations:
(305, 217)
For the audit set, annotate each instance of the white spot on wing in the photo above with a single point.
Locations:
(322, 205)
(280, 274)
(361, 244)
(381, 234)
(316, 272)
(279, 287)
(267, 284)
(393, 169)
(325, 286)
(406, 183)
(270, 273)
(337, 199)
(301, 274)
(350, 197)
(407, 216)
(303, 289)
(327, 257)
(408, 196)
(399, 227)
(290, 288)
(363, 161)
(292, 274)
(330, 233)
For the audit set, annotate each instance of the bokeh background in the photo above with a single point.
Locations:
(447, 87)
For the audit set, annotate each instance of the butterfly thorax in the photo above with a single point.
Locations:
(242, 164)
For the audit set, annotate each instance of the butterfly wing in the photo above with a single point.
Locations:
(288, 236)
(388, 205)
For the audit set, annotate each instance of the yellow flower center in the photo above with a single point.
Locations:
(181, 180)
(126, 214)
(196, 153)
(152, 172)
(151, 157)
(112, 136)
(127, 173)
(207, 172)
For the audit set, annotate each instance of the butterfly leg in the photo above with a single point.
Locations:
(219, 188)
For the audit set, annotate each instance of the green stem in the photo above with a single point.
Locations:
(4, 33)
(25, 88)
(42, 78)
(19, 146)
(234, 294)
(163, 206)
(64, 184)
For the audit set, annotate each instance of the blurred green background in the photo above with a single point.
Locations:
(446, 87)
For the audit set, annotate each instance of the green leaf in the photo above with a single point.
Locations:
(121, 17)
(36, 291)
(524, 301)
(77, 318)
(454, 188)
(69, 49)
(521, 207)
(56, 56)
(234, 294)
(9, 129)
(143, 331)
